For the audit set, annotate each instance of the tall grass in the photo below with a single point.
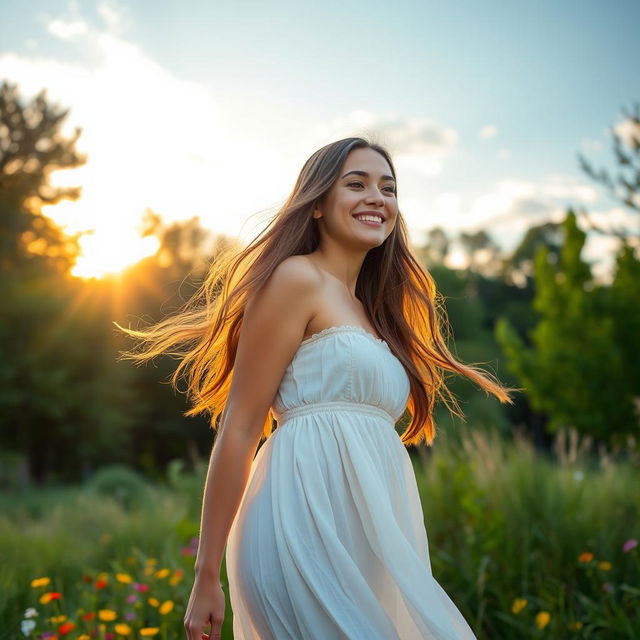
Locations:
(510, 533)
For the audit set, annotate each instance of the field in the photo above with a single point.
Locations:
(526, 546)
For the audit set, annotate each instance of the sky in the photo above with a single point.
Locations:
(210, 108)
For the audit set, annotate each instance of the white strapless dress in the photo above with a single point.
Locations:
(329, 540)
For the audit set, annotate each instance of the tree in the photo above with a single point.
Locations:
(626, 148)
(577, 370)
(31, 147)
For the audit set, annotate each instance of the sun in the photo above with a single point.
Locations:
(109, 250)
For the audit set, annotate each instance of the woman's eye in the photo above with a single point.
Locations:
(359, 184)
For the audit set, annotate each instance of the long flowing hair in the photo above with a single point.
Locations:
(399, 296)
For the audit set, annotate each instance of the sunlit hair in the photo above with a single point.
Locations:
(399, 296)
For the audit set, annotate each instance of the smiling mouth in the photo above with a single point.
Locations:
(370, 220)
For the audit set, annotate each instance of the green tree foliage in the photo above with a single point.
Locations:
(64, 400)
(31, 147)
(579, 369)
(626, 186)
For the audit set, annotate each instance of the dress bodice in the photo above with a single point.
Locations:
(343, 364)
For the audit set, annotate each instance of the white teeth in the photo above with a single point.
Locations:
(370, 218)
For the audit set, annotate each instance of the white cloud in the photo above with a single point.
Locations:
(67, 29)
(417, 144)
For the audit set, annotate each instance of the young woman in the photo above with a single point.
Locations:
(327, 324)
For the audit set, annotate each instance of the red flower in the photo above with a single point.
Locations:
(101, 584)
(89, 616)
(141, 587)
(66, 627)
(54, 595)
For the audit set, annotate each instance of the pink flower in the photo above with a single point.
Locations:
(131, 598)
(632, 543)
(108, 636)
(141, 587)
(130, 615)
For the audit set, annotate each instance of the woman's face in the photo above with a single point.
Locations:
(365, 187)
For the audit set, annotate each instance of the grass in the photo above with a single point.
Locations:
(526, 545)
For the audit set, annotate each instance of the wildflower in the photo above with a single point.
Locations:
(30, 613)
(162, 573)
(576, 626)
(149, 631)
(131, 598)
(124, 578)
(542, 619)
(27, 626)
(109, 636)
(188, 551)
(176, 577)
(65, 628)
(130, 615)
(152, 561)
(57, 619)
(40, 582)
(107, 615)
(154, 602)
(166, 607)
(147, 571)
(87, 578)
(90, 615)
(100, 584)
(587, 556)
(141, 587)
(84, 636)
(603, 565)
(518, 605)
(632, 543)
(123, 629)
(49, 596)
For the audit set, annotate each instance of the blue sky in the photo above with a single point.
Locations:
(484, 106)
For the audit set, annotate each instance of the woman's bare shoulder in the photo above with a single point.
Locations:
(298, 270)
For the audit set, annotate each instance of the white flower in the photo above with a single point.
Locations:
(27, 626)
(30, 613)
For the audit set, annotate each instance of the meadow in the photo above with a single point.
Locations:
(527, 545)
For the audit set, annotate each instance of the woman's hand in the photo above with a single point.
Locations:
(206, 606)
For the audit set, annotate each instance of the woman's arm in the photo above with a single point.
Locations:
(273, 325)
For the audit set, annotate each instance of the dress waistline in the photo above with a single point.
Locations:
(338, 405)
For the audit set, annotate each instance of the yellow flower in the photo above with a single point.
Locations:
(57, 619)
(149, 631)
(40, 582)
(576, 626)
(123, 629)
(46, 597)
(518, 605)
(107, 615)
(604, 565)
(148, 571)
(103, 577)
(587, 556)
(154, 602)
(152, 561)
(542, 619)
(125, 578)
(84, 636)
(162, 573)
(166, 607)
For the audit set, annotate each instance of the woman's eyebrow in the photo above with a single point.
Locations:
(366, 175)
